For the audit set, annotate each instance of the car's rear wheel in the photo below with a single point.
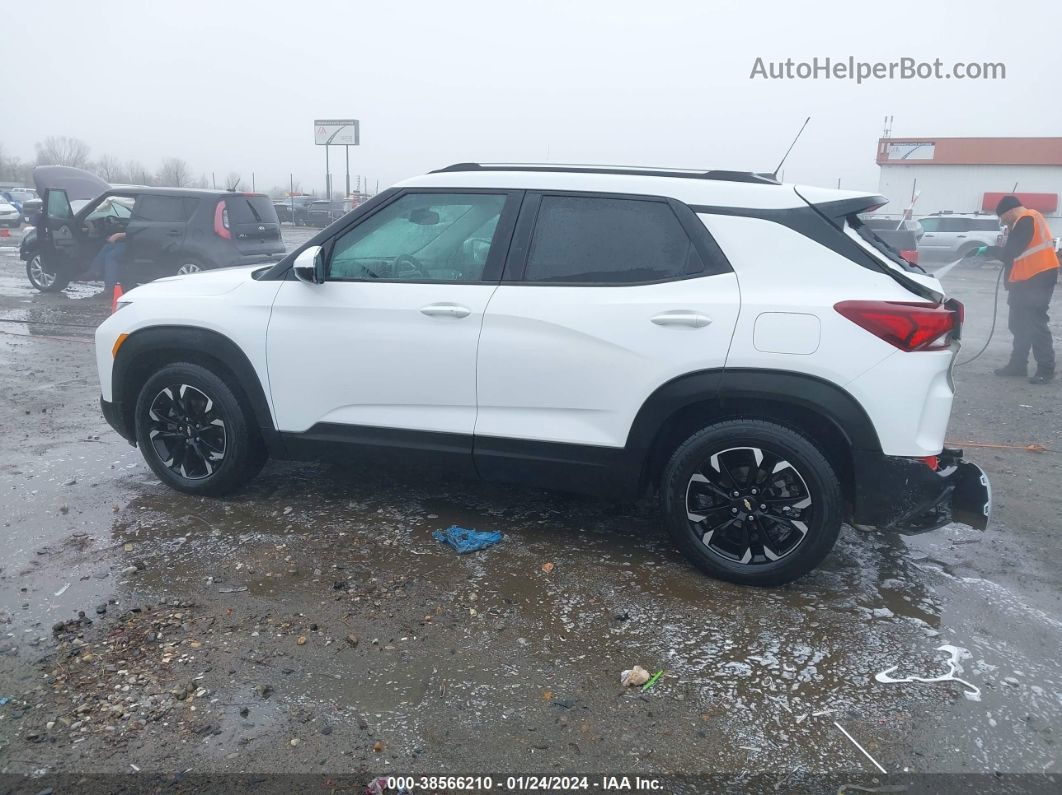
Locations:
(195, 433)
(751, 502)
(45, 279)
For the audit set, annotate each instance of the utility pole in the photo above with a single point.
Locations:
(346, 150)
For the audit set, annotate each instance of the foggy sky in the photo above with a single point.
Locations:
(235, 86)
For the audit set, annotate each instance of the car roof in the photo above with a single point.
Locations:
(708, 188)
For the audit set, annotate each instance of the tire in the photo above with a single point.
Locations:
(43, 280)
(228, 450)
(186, 266)
(755, 460)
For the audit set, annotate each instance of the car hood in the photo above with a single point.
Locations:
(78, 184)
(214, 282)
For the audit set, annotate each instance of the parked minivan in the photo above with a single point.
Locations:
(169, 230)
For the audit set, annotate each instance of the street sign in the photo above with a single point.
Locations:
(336, 132)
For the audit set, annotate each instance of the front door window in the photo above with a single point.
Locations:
(425, 237)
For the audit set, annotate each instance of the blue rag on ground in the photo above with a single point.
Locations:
(464, 540)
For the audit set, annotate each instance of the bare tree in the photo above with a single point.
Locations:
(232, 181)
(138, 174)
(174, 173)
(110, 168)
(10, 167)
(59, 150)
(202, 182)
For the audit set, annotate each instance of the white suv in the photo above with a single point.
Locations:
(747, 349)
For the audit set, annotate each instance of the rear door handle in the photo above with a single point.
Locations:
(682, 318)
(445, 310)
(960, 235)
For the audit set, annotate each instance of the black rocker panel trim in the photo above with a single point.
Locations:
(579, 468)
(198, 343)
(450, 453)
(586, 469)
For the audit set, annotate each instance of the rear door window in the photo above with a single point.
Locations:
(984, 225)
(603, 240)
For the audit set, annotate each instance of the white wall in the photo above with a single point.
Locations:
(961, 188)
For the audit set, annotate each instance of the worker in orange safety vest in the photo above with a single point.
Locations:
(1031, 272)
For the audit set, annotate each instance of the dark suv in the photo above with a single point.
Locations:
(168, 230)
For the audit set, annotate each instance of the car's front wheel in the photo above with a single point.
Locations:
(752, 502)
(43, 277)
(195, 433)
(188, 266)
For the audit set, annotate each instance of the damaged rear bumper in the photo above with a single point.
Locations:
(905, 494)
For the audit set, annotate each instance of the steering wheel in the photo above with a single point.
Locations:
(406, 265)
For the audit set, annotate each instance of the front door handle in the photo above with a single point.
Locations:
(445, 310)
(682, 318)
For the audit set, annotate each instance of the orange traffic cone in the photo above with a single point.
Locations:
(118, 292)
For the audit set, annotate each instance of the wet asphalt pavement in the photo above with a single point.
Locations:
(311, 623)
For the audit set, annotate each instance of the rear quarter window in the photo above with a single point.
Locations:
(904, 237)
(164, 208)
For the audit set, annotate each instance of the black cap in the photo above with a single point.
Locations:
(1008, 202)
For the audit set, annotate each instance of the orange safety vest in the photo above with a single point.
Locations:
(1040, 255)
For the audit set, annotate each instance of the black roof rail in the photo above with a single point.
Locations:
(571, 168)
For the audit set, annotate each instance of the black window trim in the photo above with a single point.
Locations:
(499, 249)
(712, 255)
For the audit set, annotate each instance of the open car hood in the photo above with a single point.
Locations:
(78, 184)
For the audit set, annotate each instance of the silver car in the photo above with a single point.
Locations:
(953, 235)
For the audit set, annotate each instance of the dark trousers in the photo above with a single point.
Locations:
(1029, 302)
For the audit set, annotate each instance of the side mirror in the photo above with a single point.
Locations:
(309, 266)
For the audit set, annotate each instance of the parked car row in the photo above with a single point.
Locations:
(17, 205)
(308, 211)
(167, 230)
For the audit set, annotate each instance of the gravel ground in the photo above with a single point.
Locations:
(310, 624)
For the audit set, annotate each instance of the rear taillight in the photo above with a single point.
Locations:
(908, 326)
(911, 255)
(221, 221)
